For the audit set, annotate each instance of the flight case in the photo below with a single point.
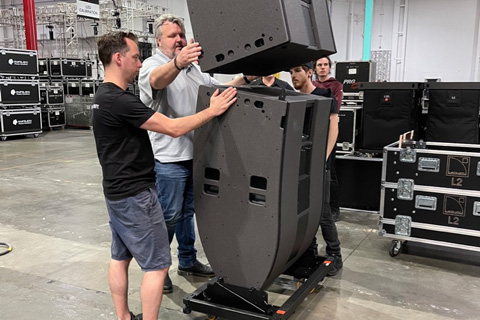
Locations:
(348, 127)
(430, 194)
(23, 121)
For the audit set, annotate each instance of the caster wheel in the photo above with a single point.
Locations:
(187, 310)
(395, 248)
(35, 135)
(4, 138)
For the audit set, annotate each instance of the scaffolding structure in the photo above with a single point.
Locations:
(63, 23)
(383, 64)
(12, 23)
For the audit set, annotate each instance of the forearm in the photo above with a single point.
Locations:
(163, 75)
(176, 127)
(181, 126)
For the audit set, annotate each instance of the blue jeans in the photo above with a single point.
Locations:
(174, 184)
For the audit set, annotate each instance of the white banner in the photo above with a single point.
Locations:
(88, 9)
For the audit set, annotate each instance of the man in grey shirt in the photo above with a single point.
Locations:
(169, 82)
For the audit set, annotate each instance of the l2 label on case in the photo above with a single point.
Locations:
(458, 166)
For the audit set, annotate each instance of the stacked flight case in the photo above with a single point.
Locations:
(20, 113)
(52, 98)
(72, 104)
(350, 74)
(430, 194)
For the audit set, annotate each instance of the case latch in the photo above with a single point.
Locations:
(403, 225)
(408, 155)
(405, 189)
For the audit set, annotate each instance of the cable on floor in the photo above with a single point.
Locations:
(6, 245)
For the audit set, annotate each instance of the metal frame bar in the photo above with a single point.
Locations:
(192, 302)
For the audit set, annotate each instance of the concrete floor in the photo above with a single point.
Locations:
(53, 214)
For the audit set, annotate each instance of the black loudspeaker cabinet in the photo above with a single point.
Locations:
(453, 112)
(389, 110)
(258, 181)
(351, 73)
(276, 35)
(19, 92)
(18, 62)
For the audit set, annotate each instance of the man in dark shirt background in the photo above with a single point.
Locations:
(301, 79)
(271, 81)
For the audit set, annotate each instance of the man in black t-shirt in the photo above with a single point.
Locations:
(120, 124)
(301, 79)
(271, 81)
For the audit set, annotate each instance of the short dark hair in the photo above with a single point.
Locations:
(326, 57)
(111, 43)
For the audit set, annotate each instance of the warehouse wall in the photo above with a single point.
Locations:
(440, 38)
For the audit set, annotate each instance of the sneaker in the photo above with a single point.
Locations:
(167, 285)
(198, 269)
(136, 317)
(337, 265)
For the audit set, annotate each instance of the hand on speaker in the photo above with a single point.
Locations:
(220, 102)
(189, 54)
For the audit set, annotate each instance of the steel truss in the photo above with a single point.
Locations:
(62, 17)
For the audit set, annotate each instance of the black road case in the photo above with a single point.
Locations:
(389, 110)
(350, 74)
(349, 121)
(20, 122)
(19, 92)
(18, 62)
(87, 87)
(43, 68)
(453, 112)
(68, 67)
(430, 194)
(55, 94)
(53, 117)
(359, 181)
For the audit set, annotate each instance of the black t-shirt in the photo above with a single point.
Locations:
(333, 109)
(277, 83)
(123, 149)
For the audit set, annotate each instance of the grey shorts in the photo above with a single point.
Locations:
(139, 231)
